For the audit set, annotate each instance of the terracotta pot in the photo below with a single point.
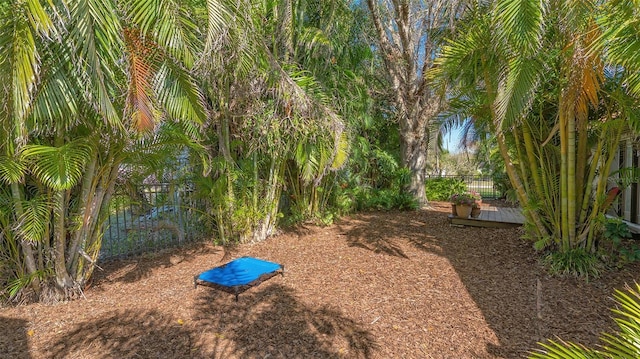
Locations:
(463, 210)
(475, 212)
(453, 209)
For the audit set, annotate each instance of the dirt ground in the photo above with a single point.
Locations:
(375, 285)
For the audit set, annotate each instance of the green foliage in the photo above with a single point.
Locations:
(366, 197)
(441, 189)
(73, 97)
(623, 344)
(616, 234)
(616, 230)
(503, 185)
(576, 263)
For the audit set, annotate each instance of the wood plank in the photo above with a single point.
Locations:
(492, 217)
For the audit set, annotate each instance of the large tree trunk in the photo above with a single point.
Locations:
(407, 50)
(414, 157)
(414, 142)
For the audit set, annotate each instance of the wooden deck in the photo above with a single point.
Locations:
(492, 217)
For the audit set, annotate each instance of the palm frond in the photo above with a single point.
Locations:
(96, 33)
(141, 68)
(19, 66)
(307, 161)
(342, 152)
(521, 22)
(517, 90)
(621, 21)
(11, 171)
(57, 100)
(179, 95)
(218, 16)
(169, 24)
(625, 344)
(59, 168)
(35, 219)
(37, 14)
(564, 350)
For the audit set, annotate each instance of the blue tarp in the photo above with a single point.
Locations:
(239, 272)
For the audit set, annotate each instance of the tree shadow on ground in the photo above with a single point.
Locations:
(381, 236)
(520, 303)
(140, 267)
(272, 323)
(14, 341)
(126, 334)
(266, 322)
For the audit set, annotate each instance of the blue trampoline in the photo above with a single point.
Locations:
(238, 275)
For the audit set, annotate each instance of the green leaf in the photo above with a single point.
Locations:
(564, 350)
(11, 171)
(34, 221)
(342, 152)
(521, 22)
(59, 168)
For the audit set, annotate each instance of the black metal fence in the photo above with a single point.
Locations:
(484, 185)
(149, 218)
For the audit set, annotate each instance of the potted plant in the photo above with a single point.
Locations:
(477, 197)
(463, 203)
(452, 199)
(477, 205)
(475, 209)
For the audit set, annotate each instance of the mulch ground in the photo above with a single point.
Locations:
(374, 285)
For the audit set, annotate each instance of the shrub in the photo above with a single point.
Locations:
(441, 189)
(575, 262)
(622, 252)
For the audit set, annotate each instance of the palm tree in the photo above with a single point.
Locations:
(552, 104)
(86, 82)
(277, 80)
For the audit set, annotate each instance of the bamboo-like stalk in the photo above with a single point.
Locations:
(581, 162)
(564, 195)
(522, 164)
(603, 182)
(102, 200)
(514, 178)
(86, 191)
(534, 171)
(589, 183)
(516, 182)
(571, 179)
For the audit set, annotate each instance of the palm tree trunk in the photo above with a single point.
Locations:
(571, 180)
(102, 201)
(63, 281)
(582, 158)
(27, 251)
(602, 182)
(516, 182)
(564, 191)
(523, 165)
(534, 171)
(87, 212)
